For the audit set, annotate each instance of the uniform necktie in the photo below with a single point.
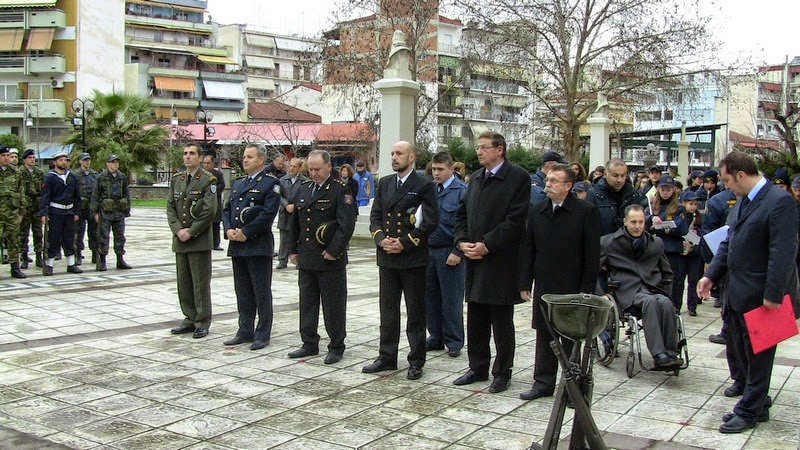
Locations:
(399, 183)
(439, 187)
(315, 190)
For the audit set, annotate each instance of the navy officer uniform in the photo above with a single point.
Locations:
(60, 206)
(253, 203)
(323, 222)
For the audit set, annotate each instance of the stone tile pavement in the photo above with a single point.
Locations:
(87, 361)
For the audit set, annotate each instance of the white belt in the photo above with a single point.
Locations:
(60, 206)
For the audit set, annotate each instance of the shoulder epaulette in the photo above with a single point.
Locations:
(337, 180)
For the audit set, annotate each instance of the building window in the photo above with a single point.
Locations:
(277, 70)
(296, 72)
(9, 92)
(164, 62)
(134, 59)
(307, 73)
(158, 36)
(668, 114)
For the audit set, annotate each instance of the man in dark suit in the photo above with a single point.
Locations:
(290, 185)
(403, 215)
(318, 236)
(247, 220)
(562, 253)
(758, 257)
(489, 229)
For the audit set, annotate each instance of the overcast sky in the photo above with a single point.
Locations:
(760, 29)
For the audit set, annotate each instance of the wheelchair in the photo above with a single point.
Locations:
(608, 343)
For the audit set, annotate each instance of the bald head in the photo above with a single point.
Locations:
(403, 158)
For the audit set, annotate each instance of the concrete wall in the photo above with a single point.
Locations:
(101, 47)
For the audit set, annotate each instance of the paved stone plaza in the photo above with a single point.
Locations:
(87, 361)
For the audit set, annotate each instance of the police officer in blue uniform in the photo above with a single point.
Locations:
(60, 206)
(247, 221)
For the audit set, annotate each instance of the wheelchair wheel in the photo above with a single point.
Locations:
(630, 362)
(608, 339)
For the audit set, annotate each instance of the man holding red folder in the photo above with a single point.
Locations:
(759, 258)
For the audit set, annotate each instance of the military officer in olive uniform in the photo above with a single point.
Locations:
(110, 205)
(88, 179)
(319, 232)
(59, 207)
(247, 220)
(401, 239)
(191, 207)
(31, 222)
(12, 207)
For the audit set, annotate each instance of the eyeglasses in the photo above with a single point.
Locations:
(486, 147)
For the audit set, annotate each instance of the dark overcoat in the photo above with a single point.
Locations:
(562, 251)
(494, 211)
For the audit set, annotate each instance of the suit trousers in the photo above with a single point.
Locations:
(679, 271)
(483, 320)
(60, 235)
(411, 284)
(328, 287)
(658, 321)
(283, 248)
(444, 300)
(757, 368)
(194, 287)
(545, 367)
(252, 281)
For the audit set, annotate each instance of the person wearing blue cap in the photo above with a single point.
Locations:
(581, 189)
(31, 221)
(690, 259)
(709, 188)
(12, 207)
(59, 206)
(665, 222)
(781, 180)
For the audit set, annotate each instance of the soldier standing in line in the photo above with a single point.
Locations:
(191, 207)
(208, 165)
(110, 205)
(88, 178)
(60, 206)
(31, 221)
(12, 207)
(319, 232)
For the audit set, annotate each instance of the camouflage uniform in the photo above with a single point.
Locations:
(87, 181)
(112, 200)
(12, 206)
(31, 221)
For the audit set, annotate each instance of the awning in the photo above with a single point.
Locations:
(217, 60)
(175, 84)
(223, 90)
(226, 117)
(40, 38)
(131, 22)
(26, 3)
(294, 45)
(257, 40)
(501, 72)
(478, 128)
(47, 151)
(516, 102)
(260, 83)
(259, 62)
(11, 40)
(164, 4)
(449, 62)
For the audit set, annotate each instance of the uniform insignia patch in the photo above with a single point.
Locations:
(276, 189)
(348, 199)
(213, 188)
(197, 177)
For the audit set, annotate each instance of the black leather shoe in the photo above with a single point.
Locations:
(414, 373)
(499, 384)
(47, 270)
(218, 248)
(378, 365)
(718, 339)
(534, 393)
(453, 353)
(258, 345)
(302, 352)
(332, 358)
(763, 417)
(692, 312)
(734, 390)
(429, 346)
(469, 378)
(182, 329)
(735, 425)
(664, 359)
(74, 269)
(281, 266)
(200, 333)
(236, 340)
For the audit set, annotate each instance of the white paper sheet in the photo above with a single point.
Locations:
(716, 237)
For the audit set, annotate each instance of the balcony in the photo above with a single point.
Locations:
(39, 109)
(178, 103)
(492, 114)
(172, 71)
(230, 77)
(174, 45)
(33, 19)
(222, 104)
(449, 49)
(180, 25)
(47, 64)
(450, 111)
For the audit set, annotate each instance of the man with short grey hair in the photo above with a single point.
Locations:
(290, 185)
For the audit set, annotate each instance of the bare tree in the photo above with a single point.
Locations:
(579, 48)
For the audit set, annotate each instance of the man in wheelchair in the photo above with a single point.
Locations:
(635, 260)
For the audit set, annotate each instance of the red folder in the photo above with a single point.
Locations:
(767, 327)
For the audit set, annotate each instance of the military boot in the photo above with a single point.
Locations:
(78, 258)
(121, 264)
(5, 257)
(101, 263)
(94, 257)
(24, 261)
(74, 269)
(39, 259)
(15, 272)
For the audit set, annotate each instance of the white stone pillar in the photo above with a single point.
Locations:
(599, 146)
(398, 102)
(683, 153)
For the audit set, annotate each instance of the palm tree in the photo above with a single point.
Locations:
(121, 124)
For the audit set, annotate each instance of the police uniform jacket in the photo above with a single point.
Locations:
(393, 215)
(192, 204)
(87, 180)
(322, 222)
(448, 199)
(252, 206)
(59, 196)
(12, 186)
(33, 179)
(111, 196)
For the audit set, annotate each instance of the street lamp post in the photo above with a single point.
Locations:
(81, 108)
(205, 117)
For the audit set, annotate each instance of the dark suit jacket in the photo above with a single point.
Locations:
(759, 252)
(333, 205)
(651, 270)
(562, 251)
(262, 194)
(494, 211)
(392, 215)
(288, 192)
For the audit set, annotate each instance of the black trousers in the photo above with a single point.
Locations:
(252, 281)
(545, 367)
(328, 287)
(482, 321)
(411, 284)
(61, 235)
(757, 369)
